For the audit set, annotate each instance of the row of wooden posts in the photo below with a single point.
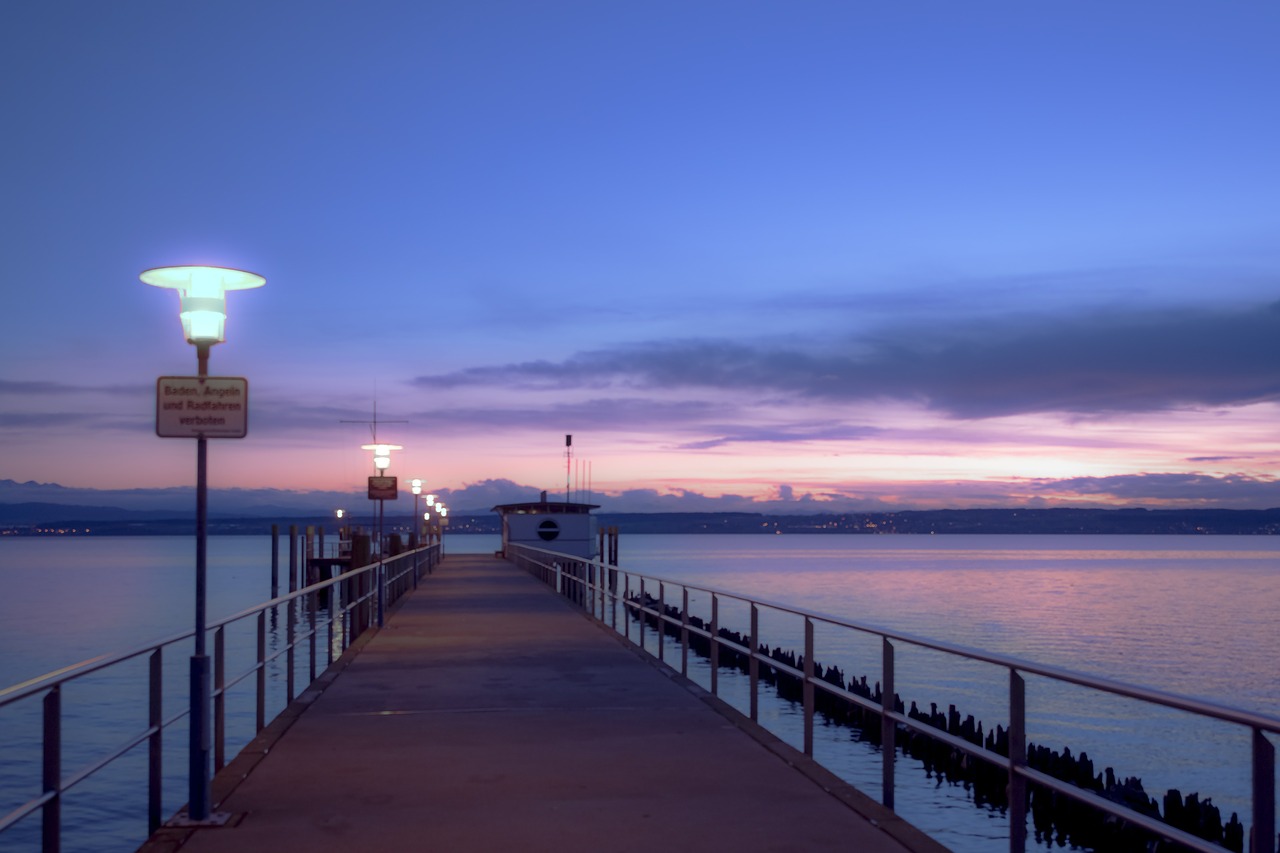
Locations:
(1056, 819)
(308, 562)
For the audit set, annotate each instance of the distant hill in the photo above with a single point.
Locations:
(44, 519)
(1002, 521)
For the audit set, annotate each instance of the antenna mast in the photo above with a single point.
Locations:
(568, 465)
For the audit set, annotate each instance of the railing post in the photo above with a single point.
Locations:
(312, 600)
(219, 699)
(51, 812)
(753, 663)
(888, 729)
(381, 581)
(293, 557)
(684, 633)
(1264, 794)
(275, 560)
(662, 620)
(613, 603)
(335, 607)
(590, 568)
(643, 599)
(155, 742)
(1017, 761)
(261, 716)
(715, 644)
(808, 686)
(290, 623)
(626, 602)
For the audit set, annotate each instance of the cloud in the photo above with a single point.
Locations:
(1228, 491)
(745, 433)
(1086, 363)
(1154, 490)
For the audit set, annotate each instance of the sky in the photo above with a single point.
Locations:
(797, 256)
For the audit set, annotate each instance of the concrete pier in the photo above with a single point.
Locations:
(489, 715)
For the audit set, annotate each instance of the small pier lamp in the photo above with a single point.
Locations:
(381, 454)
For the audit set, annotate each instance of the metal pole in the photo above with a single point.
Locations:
(810, 673)
(1264, 794)
(888, 728)
(381, 550)
(1017, 762)
(413, 541)
(275, 560)
(51, 812)
(155, 742)
(198, 804)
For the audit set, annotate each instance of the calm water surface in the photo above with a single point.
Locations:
(1191, 615)
(1198, 616)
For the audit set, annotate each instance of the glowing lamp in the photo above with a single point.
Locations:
(416, 486)
(202, 297)
(341, 513)
(381, 454)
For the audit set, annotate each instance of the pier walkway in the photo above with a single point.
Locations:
(489, 715)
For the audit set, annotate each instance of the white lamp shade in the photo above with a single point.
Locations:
(202, 294)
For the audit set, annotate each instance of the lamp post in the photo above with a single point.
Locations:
(380, 488)
(416, 488)
(202, 299)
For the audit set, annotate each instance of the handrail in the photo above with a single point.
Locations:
(387, 580)
(584, 582)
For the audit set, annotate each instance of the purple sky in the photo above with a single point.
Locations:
(836, 255)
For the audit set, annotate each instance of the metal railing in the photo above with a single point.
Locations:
(600, 589)
(356, 600)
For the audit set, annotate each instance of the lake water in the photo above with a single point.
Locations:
(1192, 615)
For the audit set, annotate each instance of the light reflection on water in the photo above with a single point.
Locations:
(1167, 612)
(1190, 615)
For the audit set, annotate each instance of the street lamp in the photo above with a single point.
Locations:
(415, 486)
(202, 300)
(380, 489)
(381, 455)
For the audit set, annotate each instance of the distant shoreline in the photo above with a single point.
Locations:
(1183, 522)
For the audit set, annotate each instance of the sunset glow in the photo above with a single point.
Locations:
(844, 257)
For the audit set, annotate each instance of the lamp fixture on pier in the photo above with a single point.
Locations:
(202, 301)
(381, 454)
